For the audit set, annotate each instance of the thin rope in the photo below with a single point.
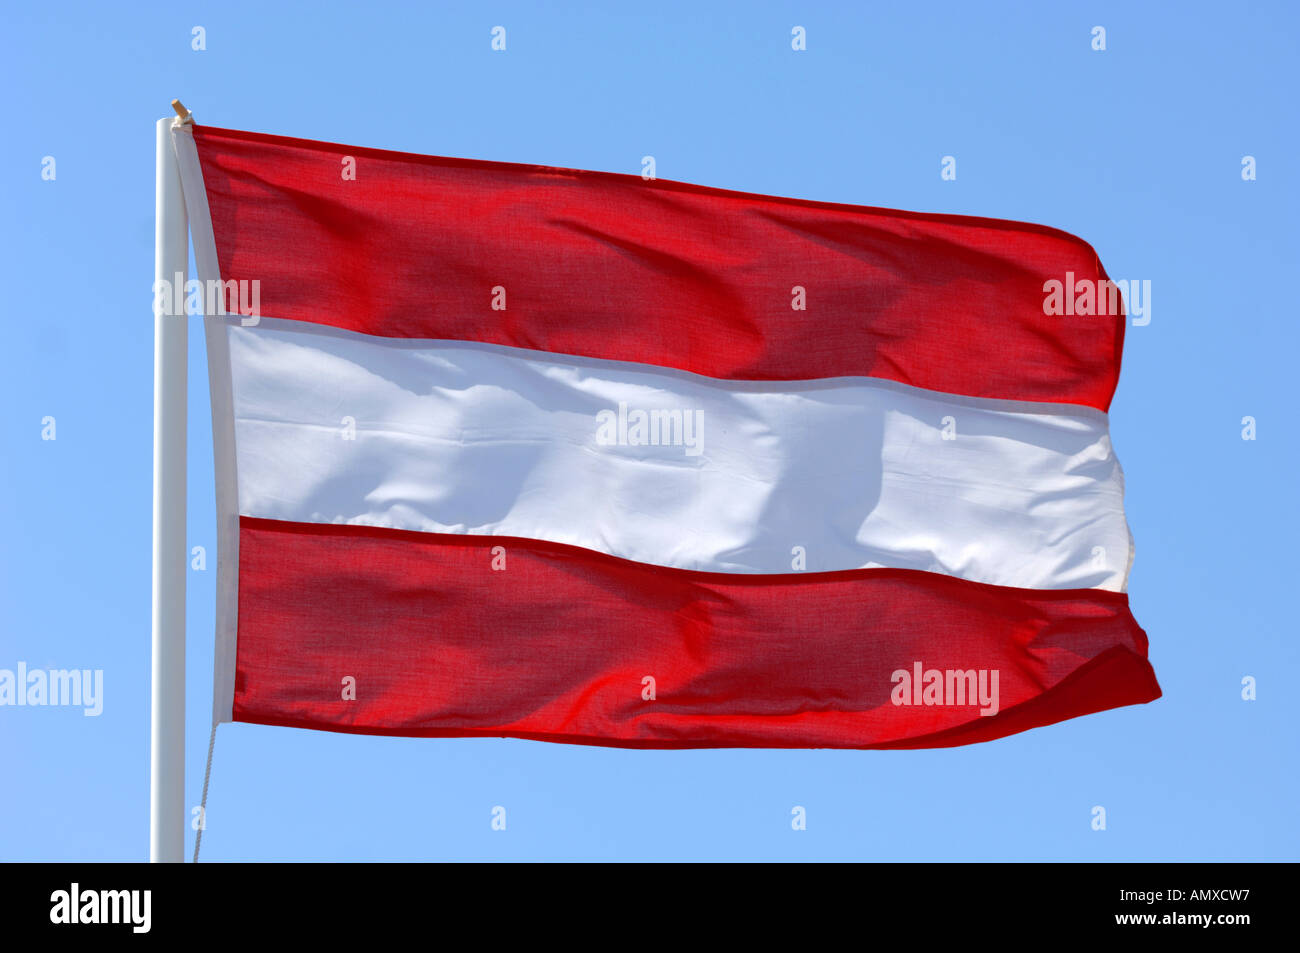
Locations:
(203, 803)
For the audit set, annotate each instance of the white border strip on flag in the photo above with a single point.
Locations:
(223, 428)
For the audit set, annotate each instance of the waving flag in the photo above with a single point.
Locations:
(534, 452)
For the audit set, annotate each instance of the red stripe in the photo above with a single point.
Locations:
(613, 267)
(556, 645)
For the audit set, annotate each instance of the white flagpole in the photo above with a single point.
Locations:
(170, 555)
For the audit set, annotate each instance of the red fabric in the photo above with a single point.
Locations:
(556, 645)
(614, 267)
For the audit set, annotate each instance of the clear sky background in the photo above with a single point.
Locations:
(1137, 149)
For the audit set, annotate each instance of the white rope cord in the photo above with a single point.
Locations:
(203, 802)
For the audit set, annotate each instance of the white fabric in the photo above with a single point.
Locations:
(223, 430)
(452, 437)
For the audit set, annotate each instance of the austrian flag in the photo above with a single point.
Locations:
(509, 450)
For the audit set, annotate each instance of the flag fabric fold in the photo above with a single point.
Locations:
(509, 450)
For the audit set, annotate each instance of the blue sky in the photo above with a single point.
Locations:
(1137, 149)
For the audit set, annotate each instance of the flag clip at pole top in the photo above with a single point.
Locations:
(185, 117)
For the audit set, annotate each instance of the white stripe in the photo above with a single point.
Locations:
(455, 437)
